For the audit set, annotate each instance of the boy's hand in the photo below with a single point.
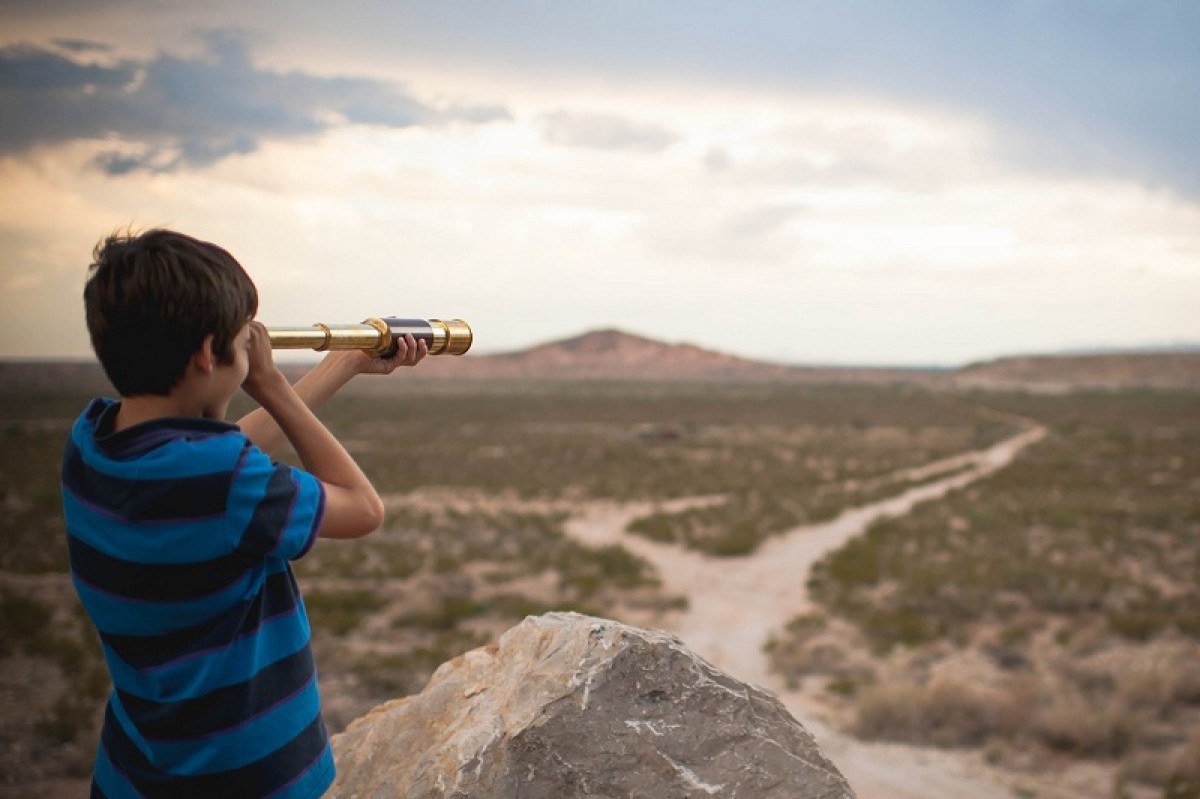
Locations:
(263, 376)
(314, 388)
(409, 352)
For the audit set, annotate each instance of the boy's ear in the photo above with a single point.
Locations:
(204, 359)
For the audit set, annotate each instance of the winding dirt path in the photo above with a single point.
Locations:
(734, 604)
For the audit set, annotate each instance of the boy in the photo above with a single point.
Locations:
(180, 528)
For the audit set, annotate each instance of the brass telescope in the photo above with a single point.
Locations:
(378, 335)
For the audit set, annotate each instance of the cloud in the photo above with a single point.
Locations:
(605, 132)
(82, 46)
(1103, 88)
(171, 112)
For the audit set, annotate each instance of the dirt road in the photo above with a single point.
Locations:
(734, 604)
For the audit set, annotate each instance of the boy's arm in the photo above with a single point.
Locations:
(323, 381)
(352, 507)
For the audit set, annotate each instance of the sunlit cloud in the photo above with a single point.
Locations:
(605, 132)
(815, 225)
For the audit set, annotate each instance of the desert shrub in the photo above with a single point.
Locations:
(1067, 722)
(340, 611)
(585, 571)
(66, 643)
(443, 613)
(856, 563)
(890, 712)
(887, 627)
(845, 687)
(1143, 768)
(1184, 780)
(514, 607)
(394, 674)
(32, 533)
(740, 538)
(1159, 685)
(807, 624)
(22, 621)
(1179, 786)
(1144, 621)
(374, 557)
(947, 713)
(812, 645)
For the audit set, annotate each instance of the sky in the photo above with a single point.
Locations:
(854, 182)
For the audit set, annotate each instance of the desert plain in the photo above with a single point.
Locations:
(982, 582)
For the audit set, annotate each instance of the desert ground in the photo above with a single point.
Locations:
(960, 591)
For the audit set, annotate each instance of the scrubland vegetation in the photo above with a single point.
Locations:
(461, 566)
(776, 455)
(1052, 610)
(432, 584)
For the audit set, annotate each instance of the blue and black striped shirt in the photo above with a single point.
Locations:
(180, 532)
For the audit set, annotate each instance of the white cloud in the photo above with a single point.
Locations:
(834, 230)
(605, 132)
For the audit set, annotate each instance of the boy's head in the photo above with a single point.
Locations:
(152, 298)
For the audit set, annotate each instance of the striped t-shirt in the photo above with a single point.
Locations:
(180, 532)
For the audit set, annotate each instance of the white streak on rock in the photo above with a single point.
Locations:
(692, 779)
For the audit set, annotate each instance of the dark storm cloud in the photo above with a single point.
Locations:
(170, 112)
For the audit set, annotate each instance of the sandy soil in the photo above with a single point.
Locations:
(735, 604)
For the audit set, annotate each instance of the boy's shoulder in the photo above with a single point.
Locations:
(178, 475)
(190, 440)
(185, 462)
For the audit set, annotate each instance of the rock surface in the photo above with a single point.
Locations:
(574, 706)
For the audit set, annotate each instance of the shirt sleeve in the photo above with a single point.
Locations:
(274, 509)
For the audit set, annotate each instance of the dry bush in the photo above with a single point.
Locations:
(1178, 772)
(1067, 721)
(1184, 780)
(947, 712)
(815, 646)
(890, 712)
(1120, 703)
(1146, 768)
(1160, 687)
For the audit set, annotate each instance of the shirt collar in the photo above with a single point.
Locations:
(140, 438)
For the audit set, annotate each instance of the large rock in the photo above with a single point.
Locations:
(574, 706)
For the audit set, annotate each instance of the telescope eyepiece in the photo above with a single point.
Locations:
(442, 338)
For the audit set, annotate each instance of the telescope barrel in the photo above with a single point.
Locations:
(377, 335)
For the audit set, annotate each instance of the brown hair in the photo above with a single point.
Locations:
(151, 298)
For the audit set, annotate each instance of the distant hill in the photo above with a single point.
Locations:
(616, 355)
(611, 354)
(1157, 369)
